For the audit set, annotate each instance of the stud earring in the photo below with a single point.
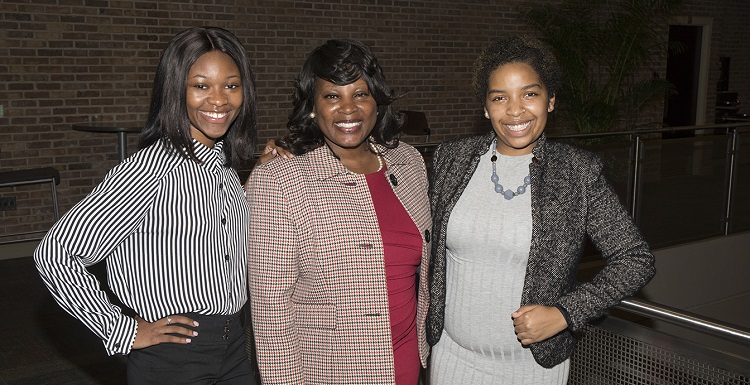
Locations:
(312, 115)
(486, 115)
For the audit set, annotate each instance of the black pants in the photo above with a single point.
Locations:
(215, 356)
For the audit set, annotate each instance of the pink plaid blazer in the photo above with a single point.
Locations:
(316, 272)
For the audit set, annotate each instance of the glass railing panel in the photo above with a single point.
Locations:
(615, 153)
(681, 194)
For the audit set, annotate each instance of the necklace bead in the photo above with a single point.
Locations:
(380, 157)
(508, 194)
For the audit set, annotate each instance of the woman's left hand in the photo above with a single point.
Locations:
(536, 323)
(273, 150)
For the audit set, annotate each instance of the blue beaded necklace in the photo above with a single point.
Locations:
(508, 194)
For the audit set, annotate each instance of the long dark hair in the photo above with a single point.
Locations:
(167, 117)
(340, 62)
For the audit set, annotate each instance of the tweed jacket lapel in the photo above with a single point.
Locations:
(533, 281)
(451, 177)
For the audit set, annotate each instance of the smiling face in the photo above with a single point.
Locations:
(214, 96)
(517, 103)
(345, 114)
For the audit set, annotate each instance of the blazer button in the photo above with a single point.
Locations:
(427, 236)
(393, 179)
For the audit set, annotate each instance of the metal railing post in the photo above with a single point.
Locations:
(729, 184)
(635, 179)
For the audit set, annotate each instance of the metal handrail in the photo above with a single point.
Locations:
(693, 321)
(668, 130)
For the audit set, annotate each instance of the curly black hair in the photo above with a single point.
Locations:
(340, 62)
(517, 49)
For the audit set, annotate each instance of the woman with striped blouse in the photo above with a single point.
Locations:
(171, 222)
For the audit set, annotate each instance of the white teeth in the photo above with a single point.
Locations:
(347, 125)
(215, 115)
(518, 127)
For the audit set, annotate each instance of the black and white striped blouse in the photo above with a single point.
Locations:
(173, 232)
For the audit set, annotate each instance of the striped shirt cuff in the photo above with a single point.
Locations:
(122, 336)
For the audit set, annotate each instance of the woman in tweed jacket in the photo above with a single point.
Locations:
(339, 234)
(504, 302)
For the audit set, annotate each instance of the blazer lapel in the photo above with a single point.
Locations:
(464, 163)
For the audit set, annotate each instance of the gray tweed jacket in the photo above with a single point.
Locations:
(570, 200)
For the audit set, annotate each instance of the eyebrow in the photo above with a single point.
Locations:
(204, 76)
(527, 87)
(334, 85)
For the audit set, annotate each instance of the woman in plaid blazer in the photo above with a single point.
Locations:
(339, 234)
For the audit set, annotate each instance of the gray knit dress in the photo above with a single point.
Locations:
(488, 241)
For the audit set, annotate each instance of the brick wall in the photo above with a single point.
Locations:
(64, 62)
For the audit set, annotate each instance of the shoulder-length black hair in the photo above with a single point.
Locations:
(340, 62)
(517, 49)
(167, 117)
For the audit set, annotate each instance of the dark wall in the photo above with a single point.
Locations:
(65, 62)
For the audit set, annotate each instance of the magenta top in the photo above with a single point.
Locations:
(402, 244)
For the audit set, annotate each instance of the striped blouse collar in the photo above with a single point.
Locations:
(208, 155)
